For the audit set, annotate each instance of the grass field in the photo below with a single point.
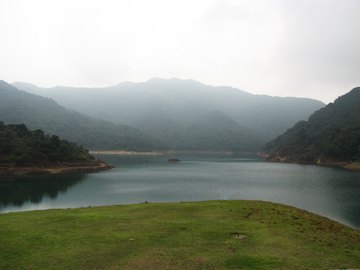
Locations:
(191, 235)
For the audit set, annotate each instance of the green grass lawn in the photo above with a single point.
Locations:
(191, 235)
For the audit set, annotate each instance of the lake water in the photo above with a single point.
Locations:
(330, 192)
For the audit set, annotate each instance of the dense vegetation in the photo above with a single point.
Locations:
(159, 115)
(332, 132)
(174, 106)
(213, 131)
(37, 112)
(24, 147)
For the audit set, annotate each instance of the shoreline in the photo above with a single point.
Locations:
(158, 153)
(100, 152)
(208, 152)
(65, 167)
(320, 162)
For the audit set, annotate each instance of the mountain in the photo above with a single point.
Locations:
(36, 112)
(330, 136)
(174, 105)
(213, 131)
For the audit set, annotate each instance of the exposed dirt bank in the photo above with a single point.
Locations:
(126, 153)
(199, 152)
(164, 153)
(311, 160)
(63, 167)
(353, 166)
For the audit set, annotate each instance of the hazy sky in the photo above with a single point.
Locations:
(303, 48)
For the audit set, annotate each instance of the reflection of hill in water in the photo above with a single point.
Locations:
(18, 190)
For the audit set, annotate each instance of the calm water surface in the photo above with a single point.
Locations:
(330, 192)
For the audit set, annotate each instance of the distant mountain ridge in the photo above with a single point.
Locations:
(213, 131)
(37, 112)
(217, 131)
(330, 136)
(179, 104)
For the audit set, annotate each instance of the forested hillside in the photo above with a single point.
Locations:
(212, 132)
(174, 105)
(24, 147)
(331, 133)
(36, 112)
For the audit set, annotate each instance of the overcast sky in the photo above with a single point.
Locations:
(302, 48)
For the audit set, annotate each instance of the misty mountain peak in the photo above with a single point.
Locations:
(23, 85)
(182, 101)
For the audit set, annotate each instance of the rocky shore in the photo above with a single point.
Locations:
(63, 167)
(310, 159)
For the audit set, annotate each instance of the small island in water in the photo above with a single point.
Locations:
(173, 160)
(24, 151)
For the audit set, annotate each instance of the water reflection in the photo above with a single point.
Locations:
(17, 190)
(344, 190)
(330, 192)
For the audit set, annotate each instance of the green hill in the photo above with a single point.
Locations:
(24, 147)
(36, 112)
(331, 135)
(216, 131)
(178, 104)
(213, 131)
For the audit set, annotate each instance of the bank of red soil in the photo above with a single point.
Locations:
(310, 159)
(63, 167)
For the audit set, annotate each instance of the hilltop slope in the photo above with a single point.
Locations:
(36, 112)
(178, 104)
(330, 136)
(213, 131)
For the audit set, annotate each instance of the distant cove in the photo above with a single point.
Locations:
(330, 192)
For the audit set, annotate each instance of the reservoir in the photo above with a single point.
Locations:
(327, 191)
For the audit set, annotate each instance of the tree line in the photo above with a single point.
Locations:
(20, 146)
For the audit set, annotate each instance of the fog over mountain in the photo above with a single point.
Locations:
(169, 109)
(36, 112)
(301, 48)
